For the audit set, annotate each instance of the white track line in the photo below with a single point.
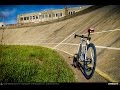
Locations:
(95, 46)
(84, 34)
(78, 45)
(40, 39)
(108, 47)
(103, 31)
(104, 47)
(47, 43)
(106, 31)
(65, 39)
(65, 52)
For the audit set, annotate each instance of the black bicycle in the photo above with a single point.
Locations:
(86, 56)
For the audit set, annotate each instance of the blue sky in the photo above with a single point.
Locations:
(10, 12)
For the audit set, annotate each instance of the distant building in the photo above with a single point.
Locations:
(47, 15)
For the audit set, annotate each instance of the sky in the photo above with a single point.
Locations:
(8, 13)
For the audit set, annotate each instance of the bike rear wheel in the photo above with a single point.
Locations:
(90, 62)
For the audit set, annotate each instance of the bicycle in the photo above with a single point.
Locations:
(86, 55)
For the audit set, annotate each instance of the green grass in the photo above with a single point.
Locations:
(32, 64)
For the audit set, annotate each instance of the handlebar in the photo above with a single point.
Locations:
(82, 36)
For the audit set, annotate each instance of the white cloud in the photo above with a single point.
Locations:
(47, 9)
(7, 12)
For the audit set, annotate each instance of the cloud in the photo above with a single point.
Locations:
(7, 13)
(47, 9)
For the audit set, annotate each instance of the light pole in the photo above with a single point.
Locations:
(66, 10)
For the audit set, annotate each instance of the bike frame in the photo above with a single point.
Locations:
(82, 53)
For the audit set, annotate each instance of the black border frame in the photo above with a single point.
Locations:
(58, 2)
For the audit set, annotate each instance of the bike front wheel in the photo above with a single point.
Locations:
(90, 62)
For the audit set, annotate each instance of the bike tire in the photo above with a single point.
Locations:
(91, 45)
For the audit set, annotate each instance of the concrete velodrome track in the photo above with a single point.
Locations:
(60, 36)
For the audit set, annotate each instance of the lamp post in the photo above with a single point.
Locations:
(66, 10)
